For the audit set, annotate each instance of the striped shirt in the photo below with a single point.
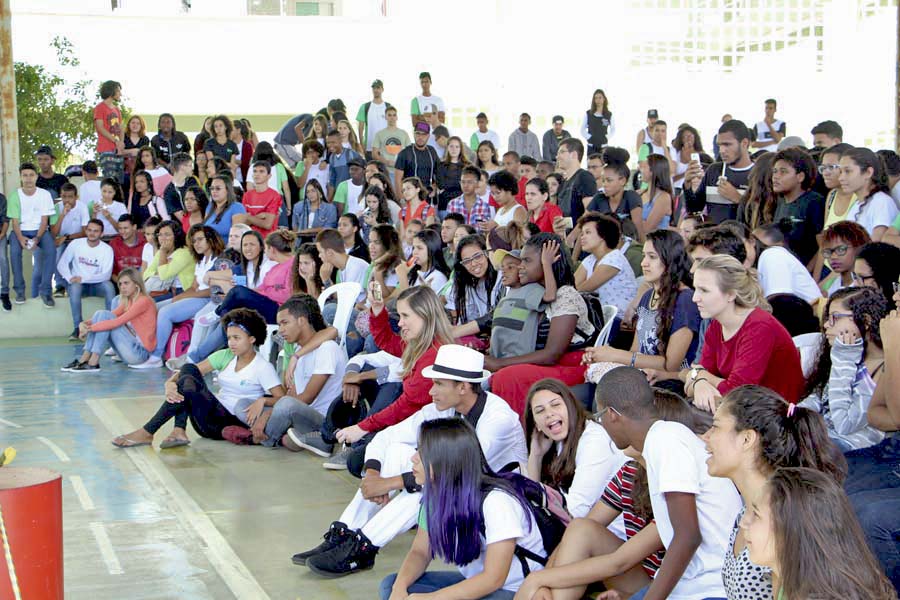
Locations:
(618, 497)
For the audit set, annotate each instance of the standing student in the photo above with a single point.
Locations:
(426, 98)
(862, 173)
(524, 142)
(605, 270)
(312, 167)
(552, 138)
(390, 140)
(689, 505)
(417, 160)
(87, 266)
(48, 179)
(718, 189)
(644, 135)
(129, 329)
(483, 134)
(89, 191)
(108, 125)
(769, 131)
(598, 124)
(372, 118)
(579, 184)
(29, 210)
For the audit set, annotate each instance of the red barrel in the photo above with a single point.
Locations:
(31, 552)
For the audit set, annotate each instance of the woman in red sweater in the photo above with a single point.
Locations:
(744, 344)
(130, 328)
(424, 327)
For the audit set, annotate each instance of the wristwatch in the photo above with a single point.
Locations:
(694, 372)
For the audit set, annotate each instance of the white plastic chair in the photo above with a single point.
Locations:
(808, 344)
(347, 293)
(266, 349)
(609, 315)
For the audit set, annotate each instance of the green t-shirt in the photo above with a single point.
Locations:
(220, 359)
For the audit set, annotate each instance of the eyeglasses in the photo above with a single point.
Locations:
(826, 168)
(473, 258)
(835, 316)
(861, 279)
(836, 251)
(599, 414)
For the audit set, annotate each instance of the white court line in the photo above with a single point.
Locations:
(10, 424)
(55, 449)
(106, 549)
(215, 547)
(83, 497)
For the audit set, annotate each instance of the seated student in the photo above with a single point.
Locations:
(150, 246)
(754, 433)
(409, 232)
(541, 211)
(262, 203)
(862, 173)
(417, 208)
(877, 266)
(616, 200)
(468, 205)
(205, 247)
(242, 373)
(841, 243)
(470, 517)
(593, 548)
(780, 272)
(426, 266)
(314, 213)
(129, 329)
(690, 506)
(745, 344)
(127, 247)
(176, 192)
(312, 380)
(223, 204)
(351, 233)
(110, 206)
(449, 227)
(665, 338)
(793, 179)
(68, 224)
(475, 288)
(377, 514)
(504, 188)
(87, 266)
(313, 167)
(143, 203)
(849, 366)
(377, 211)
(657, 200)
(801, 516)
(172, 269)
(605, 270)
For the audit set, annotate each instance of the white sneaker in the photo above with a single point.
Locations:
(207, 320)
(175, 364)
(151, 363)
(109, 352)
(115, 357)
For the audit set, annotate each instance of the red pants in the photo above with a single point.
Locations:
(512, 383)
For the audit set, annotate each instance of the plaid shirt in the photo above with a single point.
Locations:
(481, 211)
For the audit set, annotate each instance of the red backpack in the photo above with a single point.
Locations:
(180, 340)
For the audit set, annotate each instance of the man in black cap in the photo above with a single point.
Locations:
(645, 135)
(552, 138)
(169, 141)
(372, 117)
(417, 106)
(48, 179)
(418, 159)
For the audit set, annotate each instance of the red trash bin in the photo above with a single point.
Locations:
(31, 550)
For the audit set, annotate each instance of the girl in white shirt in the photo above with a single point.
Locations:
(426, 265)
(605, 271)
(862, 173)
(470, 517)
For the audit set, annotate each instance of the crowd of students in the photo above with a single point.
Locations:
(569, 379)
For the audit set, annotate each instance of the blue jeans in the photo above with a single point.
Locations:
(44, 262)
(640, 595)
(287, 413)
(104, 289)
(176, 312)
(214, 340)
(243, 297)
(123, 340)
(61, 283)
(432, 581)
(4, 266)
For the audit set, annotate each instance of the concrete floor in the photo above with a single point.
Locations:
(212, 520)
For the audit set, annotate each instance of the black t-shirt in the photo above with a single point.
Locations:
(224, 151)
(174, 195)
(418, 163)
(52, 184)
(448, 176)
(807, 217)
(167, 148)
(573, 191)
(717, 211)
(630, 201)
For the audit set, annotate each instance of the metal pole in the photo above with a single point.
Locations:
(897, 88)
(9, 124)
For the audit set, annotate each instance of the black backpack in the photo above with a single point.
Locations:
(595, 316)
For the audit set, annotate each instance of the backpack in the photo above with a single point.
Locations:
(595, 316)
(180, 340)
(548, 507)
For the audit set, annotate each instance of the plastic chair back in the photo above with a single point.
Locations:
(347, 293)
(609, 315)
(808, 344)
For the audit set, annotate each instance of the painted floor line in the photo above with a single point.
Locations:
(218, 551)
(81, 491)
(106, 549)
(10, 424)
(60, 454)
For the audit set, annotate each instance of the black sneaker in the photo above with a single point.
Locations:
(71, 365)
(73, 337)
(84, 368)
(48, 301)
(20, 299)
(7, 305)
(59, 293)
(354, 554)
(336, 534)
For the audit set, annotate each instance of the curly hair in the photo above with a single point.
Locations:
(669, 245)
(562, 267)
(249, 321)
(216, 245)
(869, 307)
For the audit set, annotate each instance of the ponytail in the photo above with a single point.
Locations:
(282, 240)
(734, 277)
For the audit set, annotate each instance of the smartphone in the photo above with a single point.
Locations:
(376, 292)
(695, 157)
(567, 221)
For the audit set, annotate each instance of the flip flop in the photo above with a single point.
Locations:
(174, 443)
(126, 443)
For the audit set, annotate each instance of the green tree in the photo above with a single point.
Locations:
(55, 107)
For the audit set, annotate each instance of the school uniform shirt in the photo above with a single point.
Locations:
(354, 270)
(490, 136)
(781, 273)
(201, 269)
(339, 169)
(876, 211)
(676, 462)
(597, 460)
(116, 210)
(763, 133)
(89, 191)
(222, 225)
(349, 194)
(328, 359)
(30, 209)
(420, 103)
(630, 200)
(93, 265)
(316, 172)
(375, 119)
(622, 288)
(252, 382)
(256, 203)
(75, 220)
(433, 279)
(224, 151)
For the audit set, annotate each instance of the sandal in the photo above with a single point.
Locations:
(171, 442)
(124, 442)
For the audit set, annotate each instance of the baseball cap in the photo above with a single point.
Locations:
(89, 166)
(497, 256)
(558, 119)
(441, 131)
(378, 83)
(45, 149)
(423, 127)
(652, 114)
(356, 162)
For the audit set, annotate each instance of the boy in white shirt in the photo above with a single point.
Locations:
(90, 189)
(87, 265)
(70, 220)
(693, 511)
(29, 210)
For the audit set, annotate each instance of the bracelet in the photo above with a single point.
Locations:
(633, 358)
(699, 379)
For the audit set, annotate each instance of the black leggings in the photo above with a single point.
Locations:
(207, 415)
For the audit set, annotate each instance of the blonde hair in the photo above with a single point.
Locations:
(733, 277)
(424, 302)
(135, 277)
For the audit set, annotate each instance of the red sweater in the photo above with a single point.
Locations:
(761, 352)
(415, 387)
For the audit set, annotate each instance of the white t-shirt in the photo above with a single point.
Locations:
(251, 382)
(764, 134)
(147, 253)
(435, 280)
(116, 210)
(354, 193)
(622, 288)
(89, 191)
(597, 460)
(780, 272)
(355, 270)
(878, 211)
(75, 220)
(506, 519)
(895, 194)
(33, 207)
(436, 102)
(264, 268)
(489, 135)
(320, 175)
(200, 270)
(376, 120)
(328, 359)
(92, 264)
(676, 462)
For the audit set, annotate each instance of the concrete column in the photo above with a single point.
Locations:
(9, 125)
